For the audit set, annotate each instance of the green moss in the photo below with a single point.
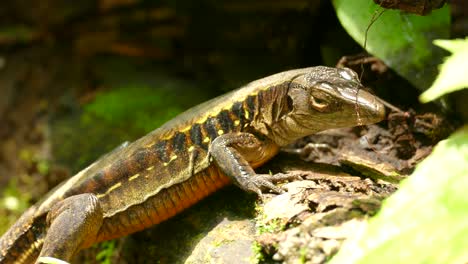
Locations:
(142, 108)
(263, 226)
(273, 226)
(258, 256)
(303, 255)
(106, 253)
(113, 117)
(220, 242)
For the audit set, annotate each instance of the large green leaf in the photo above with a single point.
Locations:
(426, 220)
(453, 75)
(403, 41)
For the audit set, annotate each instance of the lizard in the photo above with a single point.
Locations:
(198, 152)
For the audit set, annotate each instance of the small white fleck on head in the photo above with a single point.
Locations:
(326, 85)
(346, 74)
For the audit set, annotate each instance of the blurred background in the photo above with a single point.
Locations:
(79, 78)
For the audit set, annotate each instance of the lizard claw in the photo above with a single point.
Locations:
(266, 182)
(262, 182)
(285, 177)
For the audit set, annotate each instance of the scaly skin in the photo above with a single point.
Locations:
(191, 156)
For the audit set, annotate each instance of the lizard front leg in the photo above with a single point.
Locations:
(74, 224)
(237, 153)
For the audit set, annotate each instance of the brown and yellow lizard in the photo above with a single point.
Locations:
(201, 150)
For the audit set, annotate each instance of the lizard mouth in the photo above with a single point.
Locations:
(369, 109)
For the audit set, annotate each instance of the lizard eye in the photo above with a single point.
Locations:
(320, 103)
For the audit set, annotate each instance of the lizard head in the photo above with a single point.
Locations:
(325, 98)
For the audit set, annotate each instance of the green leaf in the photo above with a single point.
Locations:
(426, 220)
(403, 41)
(453, 75)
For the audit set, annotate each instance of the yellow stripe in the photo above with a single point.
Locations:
(228, 106)
(113, 187)
(134, 177)
(203, 119)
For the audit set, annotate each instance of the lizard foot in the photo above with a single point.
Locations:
(263, 182)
